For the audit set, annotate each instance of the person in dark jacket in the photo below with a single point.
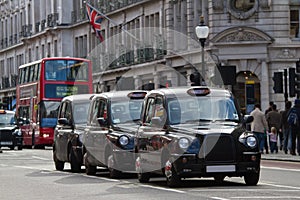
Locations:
(285, 127)
(273, 118)
(271, 103)
(295, 129)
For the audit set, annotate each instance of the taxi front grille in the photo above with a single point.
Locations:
(218, 148)
(6, 135)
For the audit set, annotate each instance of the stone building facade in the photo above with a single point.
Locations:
(152, 43)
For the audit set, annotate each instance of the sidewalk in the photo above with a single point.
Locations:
(281, 156)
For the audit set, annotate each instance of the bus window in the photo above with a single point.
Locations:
(37, 72)
(31, 73)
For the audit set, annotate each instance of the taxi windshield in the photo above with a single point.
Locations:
(191, 110)
(126, 111)
(7, 119)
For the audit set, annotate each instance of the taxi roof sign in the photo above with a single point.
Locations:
(2, 111)
(198, 91)
(137, 95)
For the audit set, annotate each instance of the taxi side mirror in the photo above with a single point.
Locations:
(63, 121)
(248, 119)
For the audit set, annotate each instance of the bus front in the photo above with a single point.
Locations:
(60, 77)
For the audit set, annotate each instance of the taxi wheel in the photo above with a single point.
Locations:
(89, 169)
(173, 180)
(59, 165)
(113, 173)
(12, 147)
(252, 178)
(143, 177)
(75, 165)
(20, 147)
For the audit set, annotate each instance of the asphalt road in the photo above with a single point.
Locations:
(30, 174)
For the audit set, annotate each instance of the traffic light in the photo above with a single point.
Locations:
(278, 82)
(292, 82)
(195, 78)
(297, 79)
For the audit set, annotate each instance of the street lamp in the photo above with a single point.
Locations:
(202, 33)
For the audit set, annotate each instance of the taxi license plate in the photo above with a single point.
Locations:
(6, 143)
(220, 168)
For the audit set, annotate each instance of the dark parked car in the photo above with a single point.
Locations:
(72, 119)
(109, 136)
(10, 134)
(195, 132)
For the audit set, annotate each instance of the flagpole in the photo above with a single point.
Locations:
(115, 23)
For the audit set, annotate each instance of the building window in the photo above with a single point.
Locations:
(55, 48)
(294, 22)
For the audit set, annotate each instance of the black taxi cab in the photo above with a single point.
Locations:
(72, 119)
(108, 140)
(195, 132)
(10, 134)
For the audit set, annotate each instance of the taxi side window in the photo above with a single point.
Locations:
(159, 109)
(94, 110)
(155, 109)
(102, 109)
(99, 110)
(66, 111)
(149, 110)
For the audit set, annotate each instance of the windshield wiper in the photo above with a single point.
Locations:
(227, 120)
(196, 120)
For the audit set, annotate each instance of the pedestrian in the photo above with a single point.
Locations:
(295, 127)
(285, 127)
(273, 140)
(271, 103)
(273, 118)
(259, 126)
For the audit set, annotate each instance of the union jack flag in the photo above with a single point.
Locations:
(95, 19)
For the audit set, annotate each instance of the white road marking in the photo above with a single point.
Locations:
(219, 198)
(279, 168)
(164, 189)
(267, 197)
(40, 158)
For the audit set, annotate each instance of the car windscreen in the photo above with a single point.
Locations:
(204, 108)
(66, 70)
(7, 119)
(126, 111)
(48, 113)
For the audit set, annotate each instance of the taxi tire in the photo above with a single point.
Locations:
(252, 178)
(174, 180)
(143, 177)
(59, 165)
(113, 173)
(20, 147)
(89, 169)
(75, 165)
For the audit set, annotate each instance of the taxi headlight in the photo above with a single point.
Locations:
(183, 143)
(123, 140)
(251, 141)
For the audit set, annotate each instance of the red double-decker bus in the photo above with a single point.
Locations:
(41, 86)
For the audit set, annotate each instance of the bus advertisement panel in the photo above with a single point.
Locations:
(41, 86)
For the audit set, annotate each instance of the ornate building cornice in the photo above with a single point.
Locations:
(241, 35)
